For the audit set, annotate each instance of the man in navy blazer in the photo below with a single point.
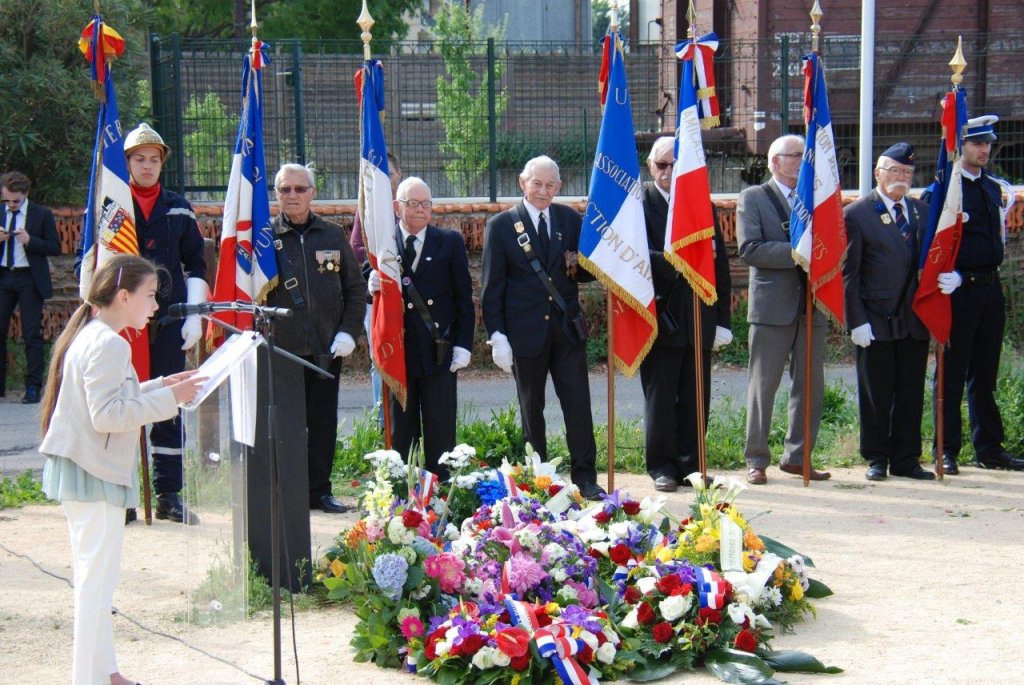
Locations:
(28, 234)
(533, 332)
(883, 231)
(437, 291)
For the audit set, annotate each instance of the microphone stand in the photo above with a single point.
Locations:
(262, 317)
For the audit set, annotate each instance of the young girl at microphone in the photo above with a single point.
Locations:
(93, 408)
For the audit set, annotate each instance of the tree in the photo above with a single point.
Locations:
(599, 13)
(462, 99)
(47, 105)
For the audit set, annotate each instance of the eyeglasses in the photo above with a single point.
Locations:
(790, 154)
(897, 171)
(417, 204)
(298, 190)
(663, 165)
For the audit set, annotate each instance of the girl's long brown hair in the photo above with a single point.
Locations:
(121, 272)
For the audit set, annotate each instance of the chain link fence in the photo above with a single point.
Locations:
(545, 100)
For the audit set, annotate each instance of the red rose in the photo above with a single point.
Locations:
(746, 641)
(471, 644)
(432, 640)
(585, 655)
(706, 615)
(662, 632)
(602, 517)
(645, 614)
(682, 590)
(525, 487)
(631, 507)
(595, 553)
(411, 519)
(554, 489)
(727, 589)
(513, 642)
(685, 522)
(620, 554)
(668, 583)
(632, 595)
(521, 663)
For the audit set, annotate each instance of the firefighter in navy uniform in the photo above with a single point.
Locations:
(169, 236)
(979, 311)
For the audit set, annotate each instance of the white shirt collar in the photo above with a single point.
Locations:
(890, 203)
(663, 193)
(969, 175)
(783, 188)
(535, 213)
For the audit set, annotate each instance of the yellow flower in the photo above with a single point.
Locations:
(664, 554)
(542, 482)
(706, 543)
(515, 679)
(749, 563)
(796, 592)
(337, 568)
(552, 609)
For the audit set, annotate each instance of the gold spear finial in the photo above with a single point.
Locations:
(691, 17)
(365, 22)
(613, 16)
(958, 63)
(816, 15)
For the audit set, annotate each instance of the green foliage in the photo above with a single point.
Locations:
(500, 436)
(207, 146)
(572, 150)
(630, 449)
(737, 352)
(366, 437)
(1010, 397)
(462, 98)
(47, 130)
(18, 492)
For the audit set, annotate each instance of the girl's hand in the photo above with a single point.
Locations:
(179, 377)
(187, 389)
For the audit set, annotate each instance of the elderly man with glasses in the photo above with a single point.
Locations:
(884, 230)
(320, 279)
(439, 319)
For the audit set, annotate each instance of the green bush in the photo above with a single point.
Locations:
(17, 492)
(500, 436)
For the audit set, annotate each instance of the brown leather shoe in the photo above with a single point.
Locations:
(798, 470)
(756, 476)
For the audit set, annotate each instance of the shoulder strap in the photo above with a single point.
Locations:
(523, 238)
(421, 308)
(773, 197)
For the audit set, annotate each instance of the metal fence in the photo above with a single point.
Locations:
(545, 100)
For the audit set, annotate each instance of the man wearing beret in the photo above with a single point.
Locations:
(979, 311)
(883, 232)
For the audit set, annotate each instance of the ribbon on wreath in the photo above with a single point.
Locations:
(509, 482)
(622, 572)
(424, 489)
(702, 52)
(523, 614)
(555, 642)
(711, 589)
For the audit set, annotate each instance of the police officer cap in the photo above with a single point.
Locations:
(981, 129)
(144, 135)
(902, 153)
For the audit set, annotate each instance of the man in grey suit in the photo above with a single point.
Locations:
(883, 233)
(777, 318)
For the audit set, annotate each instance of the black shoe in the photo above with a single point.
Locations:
(949, 466)
(875, 471)
(170, 507)
(592, 491)
(665, 484)
(916, 472)
(31, 396)
(130, 515)
(330, 504)
(1002, 462)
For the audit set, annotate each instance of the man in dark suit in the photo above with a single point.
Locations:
(439, 318)
(883, 231)
(668, 373)
(531, 309)
(776, 312)
(28, 234)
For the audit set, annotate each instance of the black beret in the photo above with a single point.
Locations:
(901, 152)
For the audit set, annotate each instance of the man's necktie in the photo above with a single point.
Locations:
(9, 245)
(903, 226)
(542, 233)
(409, 255)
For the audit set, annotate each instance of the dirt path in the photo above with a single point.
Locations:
(926, 579)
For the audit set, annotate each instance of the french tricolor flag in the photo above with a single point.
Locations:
(817, 229)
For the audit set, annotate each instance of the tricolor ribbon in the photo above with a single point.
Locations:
(522, 614)
(711, 589)
(509, 482)
(622, 572)
(555, 642)
(425, 489)
(703, 53)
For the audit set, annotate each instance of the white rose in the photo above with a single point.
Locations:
(500, 659)
(630, 622)
(611, 635)
(606, 653)
(646, 584)
(483, 659)
(672, 608)
(441, 648)
(618, 530)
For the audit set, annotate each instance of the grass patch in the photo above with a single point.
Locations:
(19, 491)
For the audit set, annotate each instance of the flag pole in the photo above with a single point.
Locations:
(816, 15)
(957, 65)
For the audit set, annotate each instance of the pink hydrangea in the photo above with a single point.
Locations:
(447, 569)
(524, 573)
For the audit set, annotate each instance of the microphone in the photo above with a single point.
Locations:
(180, 310)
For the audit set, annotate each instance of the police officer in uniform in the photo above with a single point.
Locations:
(169, 236)
(979, 311)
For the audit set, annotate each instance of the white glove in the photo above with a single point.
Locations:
(192, 329)
(501, 351)
(723, 336)
(373, 284)
(343, 345)
(949, 282)
(862, 335)
(460, 358)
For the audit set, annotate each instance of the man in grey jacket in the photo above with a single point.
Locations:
(777, 318)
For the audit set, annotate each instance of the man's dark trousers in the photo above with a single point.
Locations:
(431, 398)
(17, 288)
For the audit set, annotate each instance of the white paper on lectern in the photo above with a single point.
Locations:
(242, 387)
(219, 366)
